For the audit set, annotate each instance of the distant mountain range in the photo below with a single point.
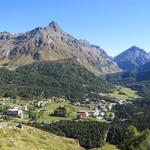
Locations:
(132, 58)
(51, 43)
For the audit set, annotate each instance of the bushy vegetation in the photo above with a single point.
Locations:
(136, 140)
(65, 78)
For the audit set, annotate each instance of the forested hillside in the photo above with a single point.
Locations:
(91, 134)
(64, 78)
(139, 80)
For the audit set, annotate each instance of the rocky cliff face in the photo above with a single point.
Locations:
(50, 44)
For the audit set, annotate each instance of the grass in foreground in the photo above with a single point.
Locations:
(34, 139)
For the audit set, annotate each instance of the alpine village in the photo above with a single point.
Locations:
(58, 92)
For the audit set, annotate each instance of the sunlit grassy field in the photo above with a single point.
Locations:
(125, 93)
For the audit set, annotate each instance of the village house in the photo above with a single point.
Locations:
(60, 112)
(82, 114)
(91, 113)
(77, 104)
(15, 112)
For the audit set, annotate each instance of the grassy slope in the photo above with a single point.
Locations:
(127, 93)
(34, 139)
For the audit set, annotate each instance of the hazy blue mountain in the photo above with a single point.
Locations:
(132, 58)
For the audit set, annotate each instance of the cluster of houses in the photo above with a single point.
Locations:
(43, 101)
(7, 99)
(124, 102)
(101, 110)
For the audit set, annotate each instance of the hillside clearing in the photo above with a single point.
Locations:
(124, 93)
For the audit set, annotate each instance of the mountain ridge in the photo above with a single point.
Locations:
(52, 43)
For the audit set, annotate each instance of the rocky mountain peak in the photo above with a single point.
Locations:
(132, 58)
(51, 43)
(136, 49)
(55, 26)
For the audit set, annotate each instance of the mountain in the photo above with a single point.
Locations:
(51, 43)
(13, 138)
(132, 58)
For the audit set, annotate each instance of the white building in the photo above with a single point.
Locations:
(15, 112)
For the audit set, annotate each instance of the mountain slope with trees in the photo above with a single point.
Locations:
(64, 78)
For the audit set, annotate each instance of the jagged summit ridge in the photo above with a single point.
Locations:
(55, 26)
(51, 43)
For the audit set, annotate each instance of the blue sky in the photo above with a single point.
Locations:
(114, 25)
